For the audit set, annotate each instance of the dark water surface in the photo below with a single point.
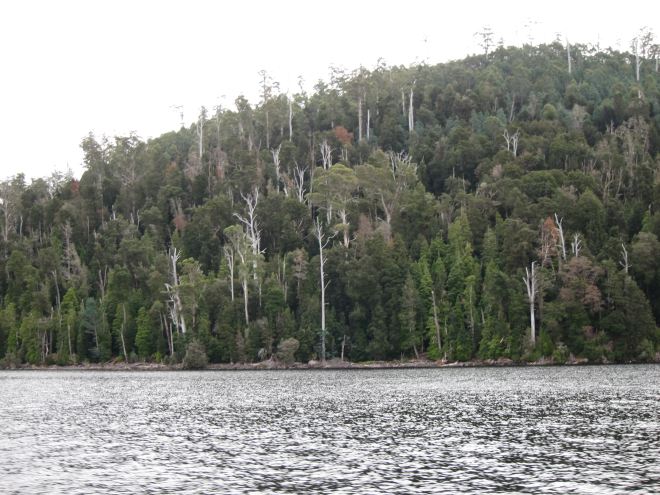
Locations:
(531, 430)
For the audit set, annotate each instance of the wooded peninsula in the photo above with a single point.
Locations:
(505, 206)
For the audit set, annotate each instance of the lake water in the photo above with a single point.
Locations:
(530, 430)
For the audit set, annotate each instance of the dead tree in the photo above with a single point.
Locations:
(641, 46)
(368, 122)
(276, 163)
(299, 182)
(576, 245)
(239, 247)
(511, 141)
(359, 118)
(624, 258)
(568, 55)
(253, 233)
(531, 279)
(200, 132)
(485, 37)
(562, 242)
(250, 223)
(326, 154)
(229, 256)
(411, 112)
(176, 306)
(323, 243)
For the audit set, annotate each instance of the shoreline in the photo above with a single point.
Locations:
(334, 364)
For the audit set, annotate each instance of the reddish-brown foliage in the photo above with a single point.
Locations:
(180, 222)
(343, 136)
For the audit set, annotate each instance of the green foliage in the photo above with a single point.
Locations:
(144, 339)
(287, 349)
(432, 227)
(195, 358)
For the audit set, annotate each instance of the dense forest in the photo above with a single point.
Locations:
(502, 206)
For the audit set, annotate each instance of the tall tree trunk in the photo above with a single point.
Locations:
(411, 115)
(530, 280)
(323, 242)
(368, 122)
(244, 284)
(359, 119)
(436, 323)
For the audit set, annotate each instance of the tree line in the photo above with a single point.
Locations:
(500, 206)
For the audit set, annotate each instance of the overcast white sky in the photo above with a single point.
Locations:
(112, 67)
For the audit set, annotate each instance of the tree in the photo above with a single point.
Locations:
(408, 316)
(386, 180)
(531, 279)
(641, 46)
(333, 191)
(93, 338)
(323, 241)
(174, 292)
(239, 242)
(144, 338)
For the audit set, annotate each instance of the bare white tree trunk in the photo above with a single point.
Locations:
(244, 285)
(562, 241)
(507, 138)
(229, 255)
(530, 280)
(326, 154)
(253, 233)
(568, 55)
(343, 215)
(252, 226)
(624, 258)
(276, 163)
(299, 181)
(638, 61)
(576, 245)
(323, 242)
(173, 290)
(6, 210)
(200, 132)
(411, 114)
(368, 123)
(359, 118)
(514, 143)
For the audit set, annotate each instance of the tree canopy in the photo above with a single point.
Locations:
(437, 186)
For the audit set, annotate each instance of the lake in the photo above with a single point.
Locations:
(592, 429)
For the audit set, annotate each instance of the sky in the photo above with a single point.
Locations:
(68, 68)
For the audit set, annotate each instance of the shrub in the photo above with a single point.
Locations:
(11, 361)
(560, 354)
(195, 358)
(287, 349)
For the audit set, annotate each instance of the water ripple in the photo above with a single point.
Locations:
(504, 430)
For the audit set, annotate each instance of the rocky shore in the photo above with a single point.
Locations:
(331, 364)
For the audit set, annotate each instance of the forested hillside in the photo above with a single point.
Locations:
(505, 205)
